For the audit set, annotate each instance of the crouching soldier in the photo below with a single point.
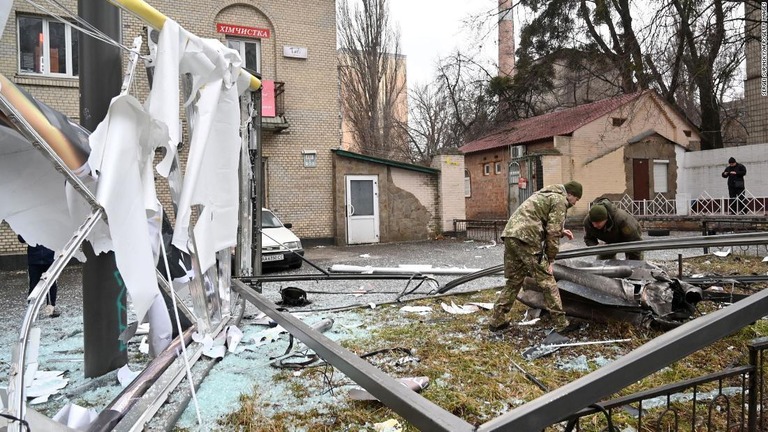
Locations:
(612, 225)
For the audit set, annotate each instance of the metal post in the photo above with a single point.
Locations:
(752, 402)
(258, 182)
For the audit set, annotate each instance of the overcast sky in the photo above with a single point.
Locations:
(431, 29)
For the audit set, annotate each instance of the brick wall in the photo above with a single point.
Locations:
(303, 196)
(489, 193)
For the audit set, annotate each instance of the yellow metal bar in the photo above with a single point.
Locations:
(156, 19)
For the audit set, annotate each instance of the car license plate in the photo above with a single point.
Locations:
(275, 257)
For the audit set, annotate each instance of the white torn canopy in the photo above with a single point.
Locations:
(32, 196)
(211, 176)
(122, 148)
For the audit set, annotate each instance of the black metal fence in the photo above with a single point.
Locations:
(479, 229)
(729, 400)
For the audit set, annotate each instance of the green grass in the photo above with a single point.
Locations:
(470, 371)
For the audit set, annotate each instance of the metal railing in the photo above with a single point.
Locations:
(479, 229)
(745, 204)
(732, 400)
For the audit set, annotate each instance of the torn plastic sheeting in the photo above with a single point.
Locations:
(75, 416)
(125, 376)
(459, 310)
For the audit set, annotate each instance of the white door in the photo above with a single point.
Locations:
(362, 203)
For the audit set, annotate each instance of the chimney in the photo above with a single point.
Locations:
(506, 39)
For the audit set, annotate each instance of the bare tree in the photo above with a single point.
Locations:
(430, 130)
(689, 50)
(372, 78)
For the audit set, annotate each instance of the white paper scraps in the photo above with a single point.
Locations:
(372, 305)
(234, 336)
(211, 348)
(46, 383)
(459, 310)
(39, 400)
(486, 306)
(75, 416)
(488, 246)
(721, 254)
(142, 329)
(215, 351)
(144, 346)
(416, 309)
(765, 259)
(365, 256)
(529, 322)
(125, 376)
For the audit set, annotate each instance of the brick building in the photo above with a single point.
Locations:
(291, 44)
(628, 144)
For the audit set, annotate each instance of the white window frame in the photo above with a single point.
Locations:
(46, 49)
(486, 169)
(467, 184)
(497, 167)
(660, 176)
(241, 42)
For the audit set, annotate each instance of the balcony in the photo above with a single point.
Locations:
(279, 122)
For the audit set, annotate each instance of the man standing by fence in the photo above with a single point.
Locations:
(735, 173)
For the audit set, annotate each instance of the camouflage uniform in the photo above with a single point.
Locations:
(620, 227)
(539, 221)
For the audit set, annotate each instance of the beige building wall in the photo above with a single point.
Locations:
(348, 141)
(594, 154)
(299, 194)
(451, 202)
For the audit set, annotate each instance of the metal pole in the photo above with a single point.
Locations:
(104, 302)
(259, 188)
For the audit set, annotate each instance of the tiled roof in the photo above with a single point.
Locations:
(547, 125)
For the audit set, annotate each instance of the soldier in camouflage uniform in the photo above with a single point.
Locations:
(531, 242)
(611, 224)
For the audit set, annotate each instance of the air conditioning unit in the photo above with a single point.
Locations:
(518, 151)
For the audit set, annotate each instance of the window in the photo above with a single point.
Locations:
(498, 167)
(618, 121)
(687, 133)
(310, 158)
(47, 47)
(660, 175)
(250, 52)
(467, 184)
(487, 169)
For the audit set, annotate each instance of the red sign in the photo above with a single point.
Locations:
(267, 98)
(243, 31)
(522, 183)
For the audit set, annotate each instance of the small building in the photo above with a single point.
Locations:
(628, 144)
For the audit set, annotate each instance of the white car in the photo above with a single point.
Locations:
(279, 246)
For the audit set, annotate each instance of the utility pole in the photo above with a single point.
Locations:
(104, 302)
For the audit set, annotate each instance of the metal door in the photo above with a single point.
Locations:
(362, 207)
